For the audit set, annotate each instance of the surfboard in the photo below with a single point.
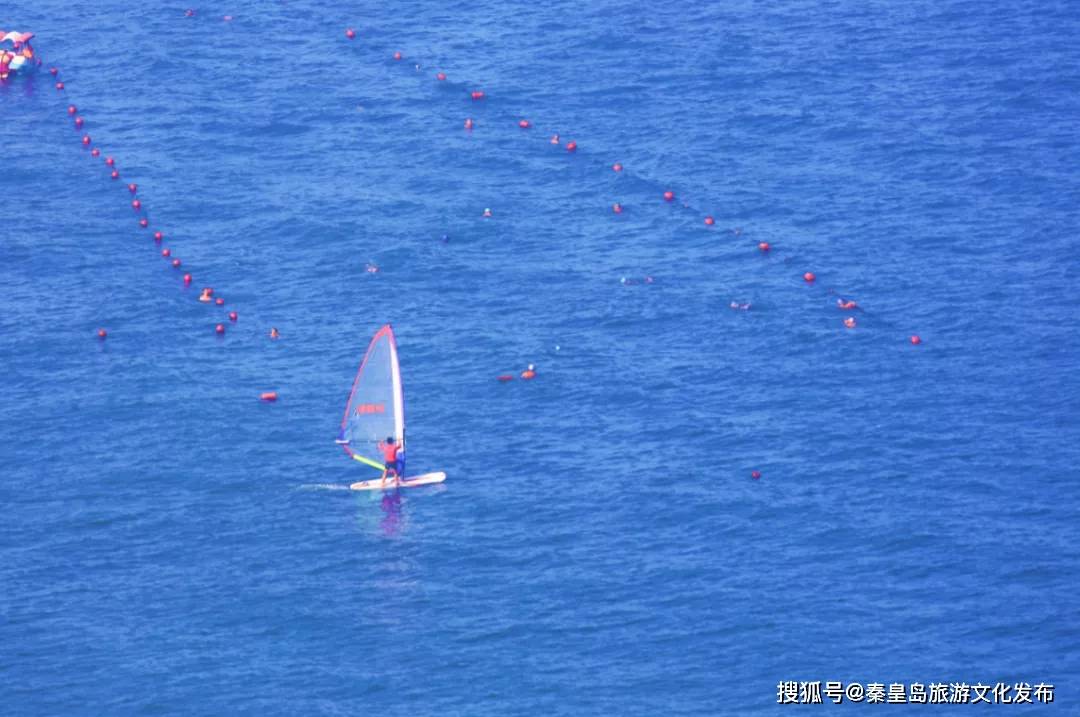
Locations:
(375, 414)
(389, 484)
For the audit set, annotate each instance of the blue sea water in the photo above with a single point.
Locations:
(171, 545)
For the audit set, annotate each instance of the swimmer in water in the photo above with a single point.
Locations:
(740, 307)
(846, 305)
(371, 268)
(274, 333)
(529, 372)
(392, 460)
(5, 63)
(205, 296)
(554, 139)
(487, 213)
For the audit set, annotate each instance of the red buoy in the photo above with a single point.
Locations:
(220, 328)
(53, 71)
(59, 85)
(468, 123)
(166, 253)
(176, 263)
(144, 223)
(709, 221)
(350, 33)
(266, 395)
(187, 279)
(158, 236)
(110, 161)
(669, 195)
(477, 95)
(101, 333)
(219, 301)
(136, 204)
(915, 340)
(232, 316)
(79, 122)
(809, 277)
(440, 76)
(397, 55)
(86, 140)
(114, 174)
(571, 146)
(72, 109)
(617, 167)
(524, 124)
(755, 474)
(95, 152)
(133, 188)
(617, 208)
(764, 246)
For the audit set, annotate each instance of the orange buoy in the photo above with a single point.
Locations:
(101, 333)
(915, 340)
(809, 277)
(505, 377)
(850, 322)
(764, 246)
(477, 94)
(524, 124)
(617, 208)
(232, 316)
(669, 195)
(709, 221)
(755, 474)
(529, 372)
(617, 167)
(350, 33)
(571, 146)
(440, 76)
(268, 396)
(468, 123)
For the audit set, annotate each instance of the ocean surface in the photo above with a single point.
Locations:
(171, 545)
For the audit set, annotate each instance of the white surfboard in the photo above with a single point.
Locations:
(390, 483)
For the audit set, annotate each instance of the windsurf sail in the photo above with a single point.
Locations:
(376, 407)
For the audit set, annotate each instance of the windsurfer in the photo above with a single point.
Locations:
(392, 461)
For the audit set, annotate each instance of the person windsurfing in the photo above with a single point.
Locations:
(392, 460)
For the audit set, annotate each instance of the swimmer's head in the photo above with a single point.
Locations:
(531, 367)
(390, 440)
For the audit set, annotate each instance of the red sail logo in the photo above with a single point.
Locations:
(370, 408)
